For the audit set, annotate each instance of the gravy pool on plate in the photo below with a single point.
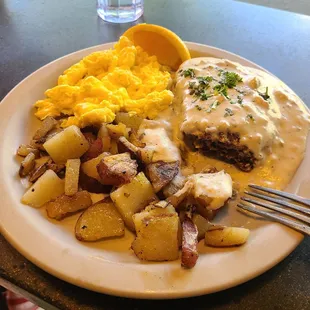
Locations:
(271, 122)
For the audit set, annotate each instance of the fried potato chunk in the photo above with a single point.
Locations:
(202, 225)
(133, 197)
(72, 176)
(95, 149)
(189, 243)
(90, 166)
(27, 165)
(226, 236)
(157, 234)
(161, 173)
(92, 185)
(101, 220)
(64, 205)
(47, 125)
(47, 187)
(117, 169)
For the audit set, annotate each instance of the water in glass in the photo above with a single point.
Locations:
(120, 11)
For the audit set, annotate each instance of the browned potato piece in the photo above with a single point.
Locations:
(101, 220)
(180, 195)
(23, 150)
(117, 169)
(116, 131)
(90, 166)
(206, 213)
(161, 173)
(133, 197)
(157, 235)
(95, 149)
(129, 147)
(47, 125)
(64, 205)
(55, 167)
(131, 121)
(27, 165)
(226, 236)
(175, 185)
(92, 185)
(72, 176)
(189, 243)
(37, 172)
(202, 225)
(134, 139)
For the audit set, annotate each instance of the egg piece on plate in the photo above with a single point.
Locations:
(103, 83)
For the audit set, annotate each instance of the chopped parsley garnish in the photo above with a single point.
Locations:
(213, 106)
(220, 71)
(199, 89)
(188, 73)
(204, 80)
(265, 94)
(205, 96)
(191, 85)
(230, 79)
(251, 117)
(240, 100)
(228, 112)
(199, 108)
(221, 89)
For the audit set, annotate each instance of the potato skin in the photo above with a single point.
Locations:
(90, 167)
(226, 236)
(189, 243)
(95, 149)
(92, 185)
(202, 225)
(161, 173)
(99, 221)
(64, 205)
(117, 169)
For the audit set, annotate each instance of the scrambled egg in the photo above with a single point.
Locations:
(121, 79)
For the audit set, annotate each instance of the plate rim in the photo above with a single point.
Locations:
(133, 294)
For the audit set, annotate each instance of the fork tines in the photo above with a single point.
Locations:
(279, 200)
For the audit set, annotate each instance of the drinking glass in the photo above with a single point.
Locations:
(120, 11)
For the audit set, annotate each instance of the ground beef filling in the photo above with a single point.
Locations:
(226, 146)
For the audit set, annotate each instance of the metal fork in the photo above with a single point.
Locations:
(279, 200)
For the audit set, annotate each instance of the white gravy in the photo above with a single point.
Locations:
(277, 136)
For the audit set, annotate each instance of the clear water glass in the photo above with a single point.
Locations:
(120, 11)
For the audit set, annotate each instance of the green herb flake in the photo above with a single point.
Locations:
(199, 108)
(221, 89)
(264, 95)
(213, 106)
(204, 80)
(191, 85)
(220, 71)
(188, 73)
(228, 112)
(205, 96)
(230, 79)
(240, 100)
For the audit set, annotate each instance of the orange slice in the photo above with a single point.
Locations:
(161, 42)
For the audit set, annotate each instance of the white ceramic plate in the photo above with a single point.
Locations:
(109, 266)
